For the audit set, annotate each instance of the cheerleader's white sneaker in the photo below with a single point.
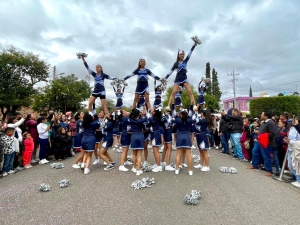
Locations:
(190, 172)
(123, 168)
(176, 171)
(96, 162)
(86, 170)
(76, 166)
(127, 163)
(139, 172)
(133, 169)
(198, 166)
(205, 169)
(169, 168)
(157, 169)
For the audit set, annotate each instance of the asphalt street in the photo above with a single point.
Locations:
(106, 197)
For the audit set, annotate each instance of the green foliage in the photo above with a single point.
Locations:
(277, 105)
(62, 94)
(207, 75)
(250, 92)
(19, 71)
(215, 88)
(109, 104)
(212, 102)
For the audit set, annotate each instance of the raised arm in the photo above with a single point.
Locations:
(130, 75)
(170, 72)
(115, 90)
(88, 68)
(108, 77)
(190, 53)
(152, 75)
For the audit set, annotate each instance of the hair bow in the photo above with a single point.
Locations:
(180, 51)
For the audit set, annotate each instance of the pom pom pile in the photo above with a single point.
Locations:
(64, 183)
(57, 165)
(45, 187)
(224, 169)
(143, 183)
(193, 198)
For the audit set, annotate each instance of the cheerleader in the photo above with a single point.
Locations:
(99, 139)
(181, 76)
(142, 82)
(177, 100)
(201, 125)
(156, 122)
(137, 139)
(202, 87)
(158, 93)
(99, 90)
(167, 120)
(77, 141)
(119, 94)
(108, 142)
(141, 103)
(90, 124)
(183, 141)
(116, 128)
(125, 141)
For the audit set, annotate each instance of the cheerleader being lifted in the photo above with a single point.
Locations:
(202, 88)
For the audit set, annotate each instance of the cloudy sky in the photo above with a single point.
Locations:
(258, 39)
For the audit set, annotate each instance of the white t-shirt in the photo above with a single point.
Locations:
(43, 133)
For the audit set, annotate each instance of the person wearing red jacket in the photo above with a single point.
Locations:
(31, 124)
(28, 149)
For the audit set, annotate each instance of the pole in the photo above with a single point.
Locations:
(54, 72)
(280, 178)
(234, 92)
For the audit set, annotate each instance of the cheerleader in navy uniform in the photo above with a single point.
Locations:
(201, 126)
(125, 140)
(137, 139)
(177, 100)
(99, 139)
(183, 141)
(90, 124)
(156, 122)
(167, 120)
(108, 142)
(77, 141)
(142, 82)
(202, 87)
(141, 105)
(116, 128)
(181, 77)
(99, 90)
(158, 93)
(119, 94)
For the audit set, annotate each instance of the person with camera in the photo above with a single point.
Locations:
(235, 129)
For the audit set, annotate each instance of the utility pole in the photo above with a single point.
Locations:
(88, 78)
(54, 72)
(233, 81)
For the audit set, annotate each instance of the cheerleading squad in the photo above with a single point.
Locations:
(154, 126)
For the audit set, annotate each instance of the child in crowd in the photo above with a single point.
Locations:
(28, 149)
(10, 146)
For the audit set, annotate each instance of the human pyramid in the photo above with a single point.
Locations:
(144, 125)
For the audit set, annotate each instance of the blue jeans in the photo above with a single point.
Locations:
(266, 153)
(290, 165)
(275, 160)
(256, 155)
(236, 143)
(43, 148)
(224, 140)
(8, 162)
(212, 139)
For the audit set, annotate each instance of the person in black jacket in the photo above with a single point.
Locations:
(61, 144)
(235, 128)
(268, 126)
(223, 133)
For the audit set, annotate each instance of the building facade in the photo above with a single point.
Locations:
(242, 103)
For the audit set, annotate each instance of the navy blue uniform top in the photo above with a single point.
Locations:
(79, 128)
(91, 130)
(142, 100)
(119, 95)
(137, 125)
(158, 93)
(202, 87)
(181, 69)
(183, 127)
(178, 93)
(125, 125)
(154, 123)
(142, 75)
(167, 120)
(201, 125)
(99, 79)
(108, 129)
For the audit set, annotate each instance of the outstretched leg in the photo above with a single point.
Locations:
(136, 98)
(190, 93)
(91, 102)
(172, 97)
(147, 100)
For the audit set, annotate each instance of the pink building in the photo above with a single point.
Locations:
(242, 103)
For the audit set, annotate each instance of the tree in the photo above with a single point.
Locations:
(280, 94)
(211, 101)
(109, 104)
(63, 94)
(250, 92)
(207, 75)
(19, 71)
(215, 89)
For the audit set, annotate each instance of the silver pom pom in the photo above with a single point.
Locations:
(143, 183)
(129, 158)
(57, 165)
(64, 183)
(196, 40)
(193, 198)
(119, 150)
(146, 167)
(81, 54)
(196, 158)
(45, 187)
(224, 169)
